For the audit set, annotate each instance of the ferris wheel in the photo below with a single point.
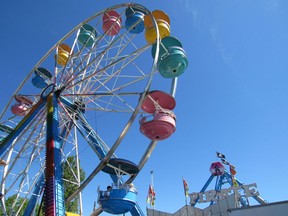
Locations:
(89, 94)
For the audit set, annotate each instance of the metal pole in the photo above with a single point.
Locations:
(78, 171)
(152, 185)
(53, 193)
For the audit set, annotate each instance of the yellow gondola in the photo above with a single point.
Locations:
(163, 23)
(63, 53)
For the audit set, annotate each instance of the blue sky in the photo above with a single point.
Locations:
(231, 99)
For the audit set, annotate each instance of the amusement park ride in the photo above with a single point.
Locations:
(236, 188)
(96, 71)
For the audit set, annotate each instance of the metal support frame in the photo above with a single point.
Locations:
(224, 179)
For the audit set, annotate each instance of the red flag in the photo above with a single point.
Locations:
(151, 196)
(186, 187)
(233, 173)
(232, 170)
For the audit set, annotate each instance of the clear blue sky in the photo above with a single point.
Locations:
(231, 99)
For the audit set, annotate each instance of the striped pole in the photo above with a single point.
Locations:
(53, 194)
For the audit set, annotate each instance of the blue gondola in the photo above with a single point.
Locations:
(172, 61)
(122, 197)
(41, 78)
(134, 20)
(120, 200)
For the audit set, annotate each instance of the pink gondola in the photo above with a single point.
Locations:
(23, 100)
(22, 105)
(162, 99)
(111, 22)
(160, 127)
(19, 109)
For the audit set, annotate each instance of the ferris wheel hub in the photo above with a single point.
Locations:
(49, 89)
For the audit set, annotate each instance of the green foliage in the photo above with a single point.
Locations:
(69, 173)
(10, 201)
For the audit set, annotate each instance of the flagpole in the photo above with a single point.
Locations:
(232, 173)
(186, 205)
(151, 193)
(187, 209)
(152, 185)
(152, 178)
(184, 191)
(185, 199)
(186, 188)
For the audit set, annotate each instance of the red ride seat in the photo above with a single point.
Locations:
(162, 126)
(19, 109)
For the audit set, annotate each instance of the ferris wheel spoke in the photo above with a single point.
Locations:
(107, 65)
(87, 132)
(120, 48)
(116, 89)
(87, 56)
(94, 140)
(26, 143)
(99, 73)
(98, 101)
(29, 155)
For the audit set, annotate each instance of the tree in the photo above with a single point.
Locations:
(10, 201)
(69, 168)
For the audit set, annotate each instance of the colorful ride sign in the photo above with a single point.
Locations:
(212, 195)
